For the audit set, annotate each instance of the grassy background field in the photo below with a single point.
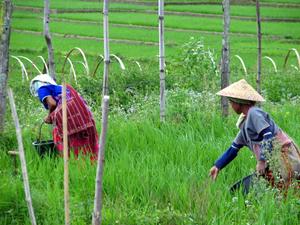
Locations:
(154, 173)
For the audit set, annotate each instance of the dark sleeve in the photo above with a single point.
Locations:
(228, 156)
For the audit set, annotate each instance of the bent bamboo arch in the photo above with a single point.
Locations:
(22, 65)
(84, 63)
(139, 65)
(272, 61)
(288, 55)
(45, 64)
(24, 71)
(32, 63)
(100, 59)
(243, 64)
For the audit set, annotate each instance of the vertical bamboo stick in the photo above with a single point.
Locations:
(97, 214)
(258, 79)
(22, 156)
(161, 60)
(48, 39)
(106, 47)
(225, 66)
(66, 155)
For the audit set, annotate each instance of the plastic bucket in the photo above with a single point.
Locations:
(244, 183)
(45, 147)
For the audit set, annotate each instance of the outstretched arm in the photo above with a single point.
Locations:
(225, 159)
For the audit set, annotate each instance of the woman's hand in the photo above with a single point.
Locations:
(261, 167)
(47, 119)
(213, 173)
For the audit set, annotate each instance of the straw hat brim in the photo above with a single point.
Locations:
(241, 90)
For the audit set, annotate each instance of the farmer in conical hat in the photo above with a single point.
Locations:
(82, 133)
(261, 135)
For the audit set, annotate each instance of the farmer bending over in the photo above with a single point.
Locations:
(82, 133)
(261, 135)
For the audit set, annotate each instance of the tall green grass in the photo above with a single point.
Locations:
(154, 173)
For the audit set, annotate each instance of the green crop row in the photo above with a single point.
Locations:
(243, 11)
(80, 4)
(282, 29)
(242, 46)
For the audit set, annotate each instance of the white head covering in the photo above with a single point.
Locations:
(39, 81)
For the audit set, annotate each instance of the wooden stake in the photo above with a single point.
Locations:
(225, 66)
(14, 155)
(258, 79)
(48, 39)
(66, 154)
(97, 214)
(22, 157)
(4, 57)
(161, 60)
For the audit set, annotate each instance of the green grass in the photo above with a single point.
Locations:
(23, 43)
(56, 4)
(283, 29)
(153, 173)
(281, 1)
(78, 3)
(243, 46)
(243, 11)
(26, 44)
(235, 10)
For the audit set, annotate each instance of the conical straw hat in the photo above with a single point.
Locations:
(241, 90)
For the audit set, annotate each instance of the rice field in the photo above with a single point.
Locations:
(155, 173)
(136, 30)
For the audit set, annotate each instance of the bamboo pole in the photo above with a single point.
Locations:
(161, 60)
(258, 20)
(106, 47)
(66, 155)
(97, 214)
(225, 66)
(22, 157)
(48, 39)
